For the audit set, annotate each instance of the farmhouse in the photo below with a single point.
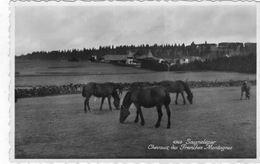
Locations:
(131, 59)
(113, 58)
(182, 61)
(148, 56)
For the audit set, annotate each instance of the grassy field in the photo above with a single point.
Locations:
(34, 73)
(57, 127)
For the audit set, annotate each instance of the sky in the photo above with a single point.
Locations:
(48, 28)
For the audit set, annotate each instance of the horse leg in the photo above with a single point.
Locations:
(137, 116)
(86, 103)
(159, 110)
(241, 95)
(247, 95)
(177, 94)
(141, 114)
(169, 115)
(109, 102)
(184, 102)
(102, 101)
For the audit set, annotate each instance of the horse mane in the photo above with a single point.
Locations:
(117, 86)
(127, 97)
(186, 87)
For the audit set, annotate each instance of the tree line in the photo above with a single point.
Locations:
(168, 51)
(242, 64)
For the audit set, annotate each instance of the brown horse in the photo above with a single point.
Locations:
(246, 86)
(102, 90)
(146, 97)
(178, 87)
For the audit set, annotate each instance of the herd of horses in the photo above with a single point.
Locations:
(148, 97)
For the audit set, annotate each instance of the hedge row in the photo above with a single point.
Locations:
(243, 64)
(77, 88)
(154, 65)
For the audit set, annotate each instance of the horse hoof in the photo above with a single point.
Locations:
(157, 126)
(168, 127)
(142, 123)
(135, 121)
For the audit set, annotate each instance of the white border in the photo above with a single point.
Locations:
(4, 81)
(11, 86)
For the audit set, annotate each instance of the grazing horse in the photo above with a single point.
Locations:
(246, 86)
(102, 90)
(146, 97)
(178, 87)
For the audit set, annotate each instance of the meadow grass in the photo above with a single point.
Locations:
(57, 127)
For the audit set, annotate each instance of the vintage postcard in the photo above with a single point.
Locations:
(166, 82)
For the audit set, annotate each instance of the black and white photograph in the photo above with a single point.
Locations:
(170, 81)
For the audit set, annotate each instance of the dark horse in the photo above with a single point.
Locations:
(102, 90)
(178, 87)
(246, 86)
(146, 97)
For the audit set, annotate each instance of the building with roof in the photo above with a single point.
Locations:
(113, 58)
(148, 56)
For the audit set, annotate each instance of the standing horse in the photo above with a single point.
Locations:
(246, 86)
(146, 97)
(178, 87)
(102, 90)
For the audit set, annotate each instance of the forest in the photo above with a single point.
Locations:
(165, 51)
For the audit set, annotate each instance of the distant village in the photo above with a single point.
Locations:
(134, 55)
(181, 54)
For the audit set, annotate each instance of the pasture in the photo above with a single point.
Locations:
(35, 73)
(57, 127)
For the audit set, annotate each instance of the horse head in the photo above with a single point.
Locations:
(117, 95)
(124, 113)
(119, 88)
(116, 101)
(190, 97)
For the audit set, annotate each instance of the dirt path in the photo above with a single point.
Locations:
(57, 127)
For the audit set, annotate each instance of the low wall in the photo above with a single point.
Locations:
(77, 88)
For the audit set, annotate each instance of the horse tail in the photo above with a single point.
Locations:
(167, 100)
(83, 92)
